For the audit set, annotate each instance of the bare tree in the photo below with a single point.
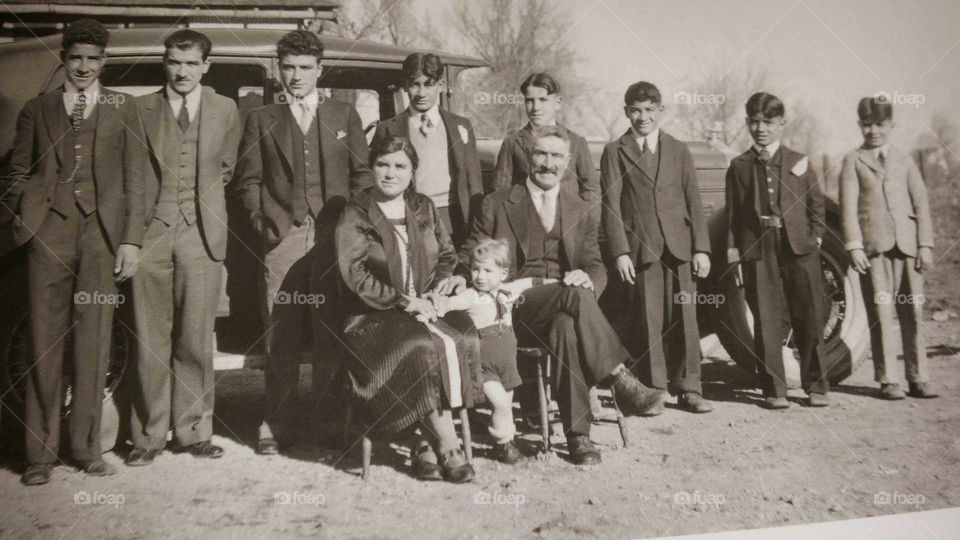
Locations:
(387, 21)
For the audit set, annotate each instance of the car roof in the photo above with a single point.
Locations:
(257, 42)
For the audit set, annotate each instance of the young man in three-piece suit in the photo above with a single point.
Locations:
(300, 163)
(80, 209)
(775, 223)
(656, 233)
(449, 171)
(888, 231)
(190, 136)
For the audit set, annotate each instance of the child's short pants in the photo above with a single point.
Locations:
(498, 355)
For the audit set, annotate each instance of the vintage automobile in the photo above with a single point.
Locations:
(244, 67)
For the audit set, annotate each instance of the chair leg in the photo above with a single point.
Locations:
(544, 413)
(621, 422)
(367, 446)
(467, 436)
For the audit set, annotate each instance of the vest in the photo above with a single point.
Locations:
(767, 184)
(179, 182)
(433, 175)
(545, 255)
(308, 181)
(75, 184)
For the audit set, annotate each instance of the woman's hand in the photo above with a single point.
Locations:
(421, 308)
(450, 285)
(440, 302)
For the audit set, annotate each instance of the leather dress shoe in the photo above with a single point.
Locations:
(816, 399)
(693, 402)
(268, 447)
(97, 467)
(456, 469)
(772, 402)
(634, 398)
(507, 453)
(582, 451)
(921, 390)
(203, 449)
(424, 463)
(891, 391)
(37, 474)
(140, 457)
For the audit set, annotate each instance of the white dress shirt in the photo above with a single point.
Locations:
(652, 139)
(70, 92)
(770, 148)
(416, 117)
(192, 100)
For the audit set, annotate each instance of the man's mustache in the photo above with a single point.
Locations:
(543, 169)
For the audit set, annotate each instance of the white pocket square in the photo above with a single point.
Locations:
(800, 168)
(464, 134)
(341, 134)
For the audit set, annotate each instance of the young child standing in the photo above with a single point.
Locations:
(888, 232)
(489, 302)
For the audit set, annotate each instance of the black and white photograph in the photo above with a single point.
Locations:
(471, 269)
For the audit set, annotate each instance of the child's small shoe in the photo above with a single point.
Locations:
(507, 453)
(921, 390)
(891, 391)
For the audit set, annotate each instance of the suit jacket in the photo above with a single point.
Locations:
(466, 184)
(369, 258)
(266, 167)
(649, 209)
(801, 203)
(502, 216)
(216, 157)
(512, 166)
(39, 154)
(884, 207)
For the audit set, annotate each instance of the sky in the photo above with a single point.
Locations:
(827, 53)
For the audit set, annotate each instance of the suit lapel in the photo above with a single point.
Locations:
(209, 121)
(154, 125)
(280, 125)
(631, 150)
(454, 143)
(55, 121)
(516, 209)
(570, 221)
(870, 160)
(401, 125)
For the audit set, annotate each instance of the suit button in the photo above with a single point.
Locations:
(49, 199)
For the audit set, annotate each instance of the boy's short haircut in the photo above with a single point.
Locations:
(427, 64)
(188, 39)
(300, 42)
(540, 80)
(873, 110)
(642, 91)
(86, 31)
(490, 248)
(766, 105)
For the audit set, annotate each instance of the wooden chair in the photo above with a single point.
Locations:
(544, 384)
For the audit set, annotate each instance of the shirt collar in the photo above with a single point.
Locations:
(885, 150)
(652, 139)
(70, 92)
(192, 99)
(310, 100)
(433, 114)
(536, 191)
(770, 148)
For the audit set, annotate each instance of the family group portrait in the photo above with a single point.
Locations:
(485, 269)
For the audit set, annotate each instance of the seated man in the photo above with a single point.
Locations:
(552, 235)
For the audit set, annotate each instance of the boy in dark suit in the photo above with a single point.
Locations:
(889, 234)
(775, 222)
(656, 232)
(450, 167)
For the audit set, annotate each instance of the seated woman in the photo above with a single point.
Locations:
(405, 364)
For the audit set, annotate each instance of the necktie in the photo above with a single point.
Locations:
(183, 119)
(426, 126)
(646, 153)
(764, 156)
(79, 105)
(548, 211)
(306, 117)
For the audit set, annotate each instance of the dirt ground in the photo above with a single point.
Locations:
(738, 467)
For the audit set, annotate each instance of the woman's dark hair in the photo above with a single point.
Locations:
(427, 64)
(86, 31)
(540, 80)
(766, 105)
(391, 144)
(300, 42)
(188, 39)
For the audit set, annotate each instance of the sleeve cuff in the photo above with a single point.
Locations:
(733, 255)
(852, 245)
(926, 245)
